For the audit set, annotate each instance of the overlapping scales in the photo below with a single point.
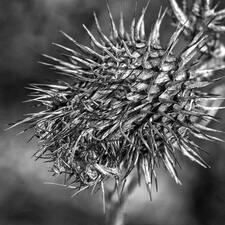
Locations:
(130, 103)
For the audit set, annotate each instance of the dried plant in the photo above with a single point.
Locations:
(130, 101)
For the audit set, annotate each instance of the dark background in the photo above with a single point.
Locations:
(27, 29)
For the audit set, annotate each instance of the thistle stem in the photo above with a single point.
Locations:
(115, 201)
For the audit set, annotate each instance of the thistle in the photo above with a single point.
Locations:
(129, 102)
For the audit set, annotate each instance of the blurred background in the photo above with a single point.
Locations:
(27, 29)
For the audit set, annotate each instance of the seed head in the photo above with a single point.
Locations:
(130, 102)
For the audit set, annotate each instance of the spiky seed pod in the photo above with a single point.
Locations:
(130, 103)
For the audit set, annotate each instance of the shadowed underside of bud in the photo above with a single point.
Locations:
(130, 103)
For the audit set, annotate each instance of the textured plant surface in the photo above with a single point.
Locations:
(196, 16)
(130, 102)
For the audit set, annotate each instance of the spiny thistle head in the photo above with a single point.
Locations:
(197, 16)
(130, 103)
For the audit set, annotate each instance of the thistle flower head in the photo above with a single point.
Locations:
(130, 102)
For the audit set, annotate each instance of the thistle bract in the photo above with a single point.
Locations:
(201, 15)
(130, 103)
(197, 16)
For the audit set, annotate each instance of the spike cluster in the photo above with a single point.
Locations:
(130, 103)
(198, 16)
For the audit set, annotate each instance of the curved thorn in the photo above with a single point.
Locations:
(133, 24)
(140, 22)
(67, 49)
(103, 36)
(179, 13)
(100, 46)
(61, 62)
(219, 15)
(142, 31)
(114, 30)
(217, 28)
(83, 48)
(172, 42)
(208, 4)
(154, 37)
(132, 28)
(85, 62)
(127, 49)
(121, 27)
(93, 39)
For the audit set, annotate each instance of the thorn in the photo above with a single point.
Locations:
(140, 23)
(121, 27)
(142, 31)
(104, 37)
(208, 5)
(217, 28)
(179, 14)
(113, 26)
(132, 28)
(154, 37)
(83, 48)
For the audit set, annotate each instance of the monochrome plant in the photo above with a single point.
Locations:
(130, 102)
